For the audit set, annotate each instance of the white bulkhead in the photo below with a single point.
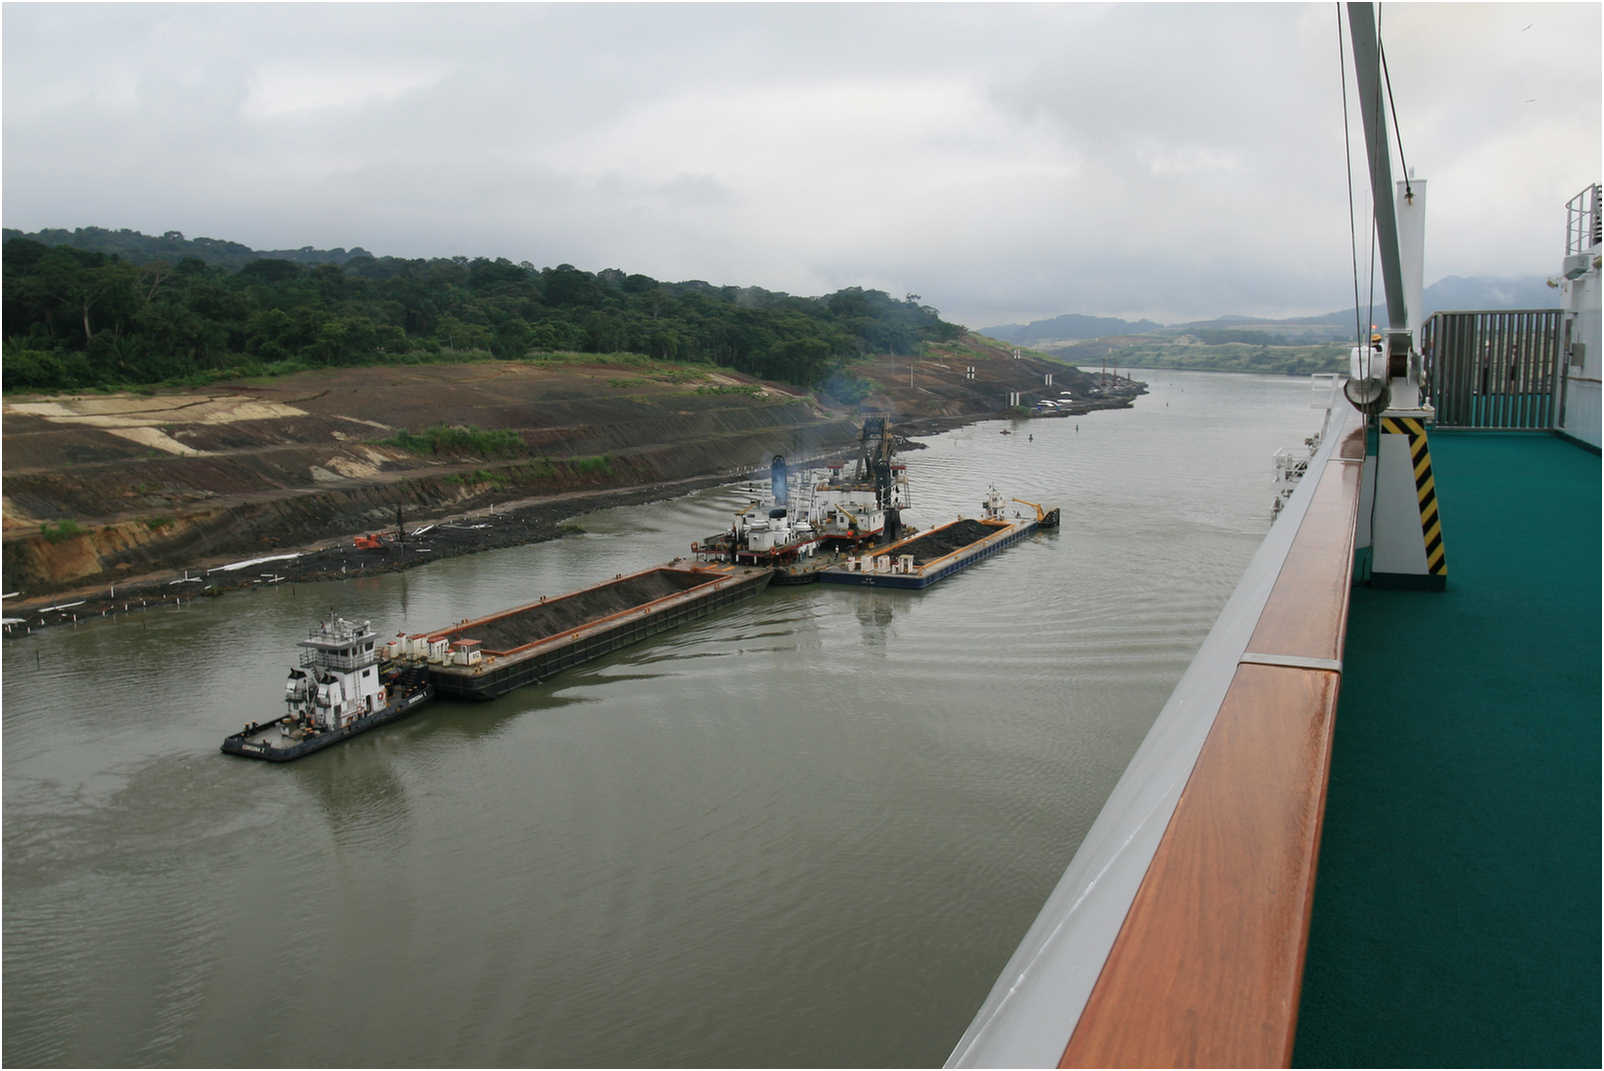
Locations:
(338, 677)
(803, 533)
(993, 508)
(852, 520)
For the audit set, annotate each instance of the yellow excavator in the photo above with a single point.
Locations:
(1044, 518)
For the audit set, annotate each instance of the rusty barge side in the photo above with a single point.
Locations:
(489, 657)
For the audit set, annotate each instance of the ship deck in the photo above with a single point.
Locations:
(1456, 909)
(1363, 831)
(266, 733)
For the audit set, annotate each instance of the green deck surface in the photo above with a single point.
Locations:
(1457, 906)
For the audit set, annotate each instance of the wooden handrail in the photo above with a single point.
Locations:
(1207, 967)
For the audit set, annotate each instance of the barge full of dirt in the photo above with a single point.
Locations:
(491, 656)
(923, 559)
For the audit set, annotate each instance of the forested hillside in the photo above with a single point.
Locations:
(76, 318)
(137, 248)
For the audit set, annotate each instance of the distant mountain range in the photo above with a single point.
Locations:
(1452, 293)
(1070, 325)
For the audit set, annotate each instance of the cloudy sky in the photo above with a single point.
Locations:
(1007, 162)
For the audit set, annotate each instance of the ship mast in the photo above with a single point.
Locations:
(1399, 224)
(1398, 537)
(1367, 71)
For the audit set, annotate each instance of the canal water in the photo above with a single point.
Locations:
(809, 830)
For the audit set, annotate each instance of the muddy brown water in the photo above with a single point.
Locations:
(808, 831)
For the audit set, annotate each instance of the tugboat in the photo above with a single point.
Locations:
(340, 688)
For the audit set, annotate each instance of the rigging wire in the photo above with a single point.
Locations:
(1374, 419)
(1347, 158)
(1397, 131)
(1374, 227)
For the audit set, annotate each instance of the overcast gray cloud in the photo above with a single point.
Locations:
(1007, 162)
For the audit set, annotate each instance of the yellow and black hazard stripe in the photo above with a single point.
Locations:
(1425, 488)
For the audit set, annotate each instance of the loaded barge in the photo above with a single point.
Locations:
(490, 656)
(921, 560)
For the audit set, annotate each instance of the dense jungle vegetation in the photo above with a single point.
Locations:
(133, 310)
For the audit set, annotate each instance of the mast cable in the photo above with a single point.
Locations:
(1397, 131)
(1347, 159)
(1375, 227)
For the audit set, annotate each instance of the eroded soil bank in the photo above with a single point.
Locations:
(109, 498)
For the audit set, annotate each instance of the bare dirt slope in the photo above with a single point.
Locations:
(104, 488)
(936, 388)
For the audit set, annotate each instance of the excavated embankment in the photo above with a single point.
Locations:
(134, 488)
(104, 489)
(238, 525)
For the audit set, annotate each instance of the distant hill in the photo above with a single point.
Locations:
(136, 248)
(1451, 293)
(1070, 325)
(1293, 346)
(1458, 292)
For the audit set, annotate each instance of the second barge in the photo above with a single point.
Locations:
(923, 559)
(489, 657)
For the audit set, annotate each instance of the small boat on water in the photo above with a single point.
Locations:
(341, 687)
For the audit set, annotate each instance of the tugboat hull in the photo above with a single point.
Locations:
(269, 743)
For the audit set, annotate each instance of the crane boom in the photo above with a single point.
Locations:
(1367, 71)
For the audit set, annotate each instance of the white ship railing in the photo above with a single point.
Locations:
(325, 659)
(1584, 224)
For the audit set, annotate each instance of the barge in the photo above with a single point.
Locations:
(923, 559)
(489, 657)
(340, 688)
